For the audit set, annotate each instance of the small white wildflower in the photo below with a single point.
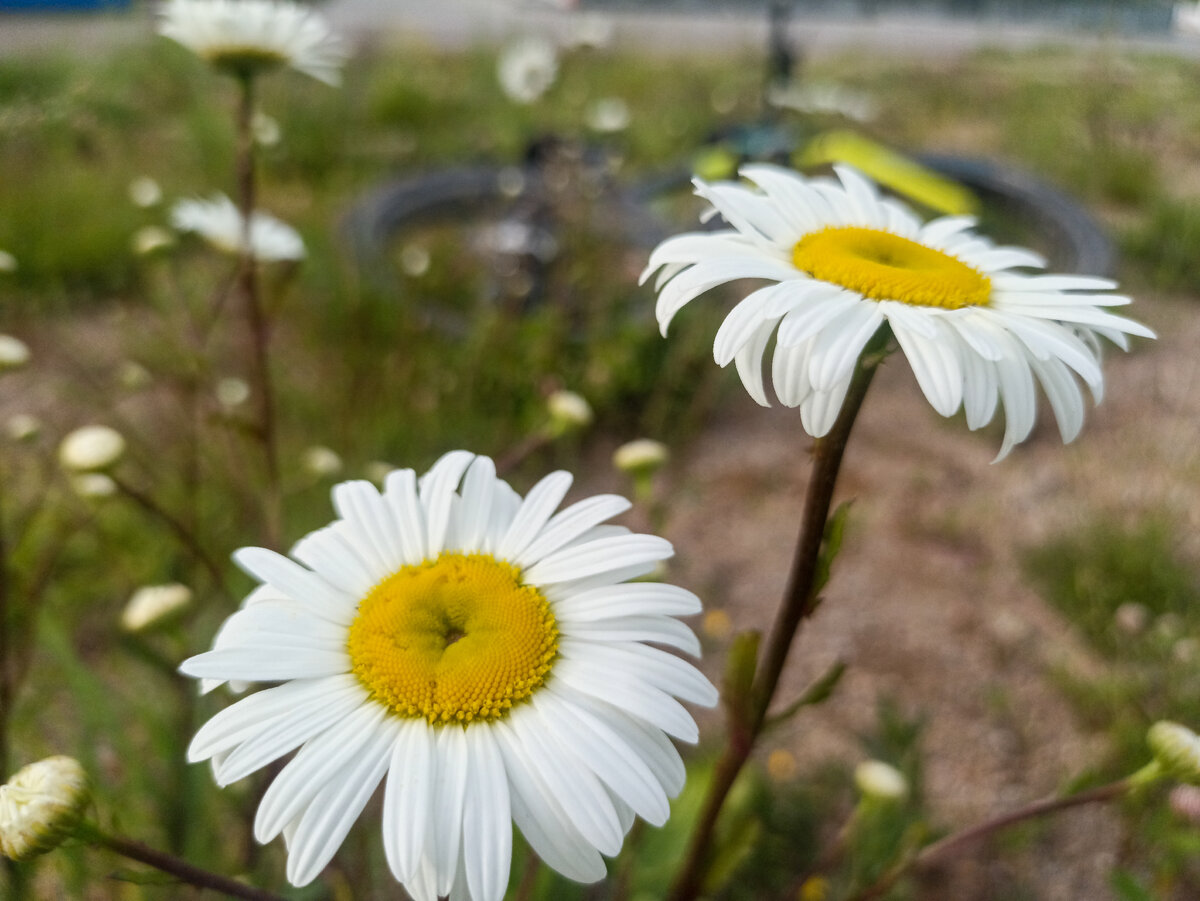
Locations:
(607, 115)
(91, 448)
(414, 260)
(8, 263)
(14, 353)
(322, 461)
(527, 68)
(880, 781)
(246, 37)
(23, 427)
(154, 605)
(232, 392)
(220, 223)
(145, 192)
(265, 129)
(93, 485)
(151, 239)
(41, 805)
(641, 457)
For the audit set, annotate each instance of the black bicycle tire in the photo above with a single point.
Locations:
(1078, 242)
(380, 215)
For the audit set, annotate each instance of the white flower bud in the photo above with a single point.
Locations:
(93, 485)
(41, 805)
(322, 461)
(641, 457)
(145, 192)
(1177, 750)
(8, 263)
(232, 392)
(154, 605)
(91, 448)
(568, 411)
(879, 781)
(23, 427)
(608, 115)
(265, 129)
(14, 353)
(151, 239)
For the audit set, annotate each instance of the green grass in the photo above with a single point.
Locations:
(362, 368)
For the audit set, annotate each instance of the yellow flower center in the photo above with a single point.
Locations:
(883, 266)
(455, 639)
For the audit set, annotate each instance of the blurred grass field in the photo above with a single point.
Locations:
(359, 372)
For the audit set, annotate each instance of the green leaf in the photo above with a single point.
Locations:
(831, 544)
(1129, 888)
(817, 692)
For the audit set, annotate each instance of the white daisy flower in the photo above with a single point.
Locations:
(527, 68)
(847, 262)
(489, 657)
(220, 223)
(249, 36)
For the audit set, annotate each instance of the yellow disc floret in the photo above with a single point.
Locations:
(883, 266)
(453, 640)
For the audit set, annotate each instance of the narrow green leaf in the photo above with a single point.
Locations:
(831, 544)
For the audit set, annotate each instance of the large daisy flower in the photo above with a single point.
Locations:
(846, 262)
(219, 222)
(249, 36)
(487, 656)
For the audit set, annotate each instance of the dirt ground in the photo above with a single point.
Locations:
(927, 603)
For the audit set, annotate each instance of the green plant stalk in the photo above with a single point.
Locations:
(6, 676)
(175, 866)
(260, 327)
(799, 602)
(954, 843)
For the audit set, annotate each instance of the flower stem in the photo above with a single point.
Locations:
(798, 604)
(954, 843)
(168, 863)
(256, 314)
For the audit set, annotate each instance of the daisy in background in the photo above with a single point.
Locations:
(485, 657)
(220, 223)
(246, 37)
(844, 263)
(527, 69)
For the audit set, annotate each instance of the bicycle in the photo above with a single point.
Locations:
(514, 220)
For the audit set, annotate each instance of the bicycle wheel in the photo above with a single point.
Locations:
(548, 236)
(1016, 207)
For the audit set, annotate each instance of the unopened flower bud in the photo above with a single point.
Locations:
(232, 392)
(93, 485)
(154, 605)
(41, 805)
(265, 129)
(145, 192)
(879, 781)
(568, 412)
(14, 353)
(91, 448)
(322, 461)
(642, 457)
(1176, 748)
(151, 239)
(23, 427)
(8, 263)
